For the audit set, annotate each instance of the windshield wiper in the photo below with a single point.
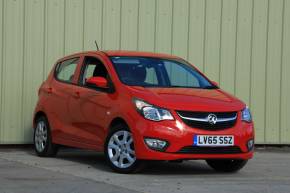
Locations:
(176, 86)
(210, 87)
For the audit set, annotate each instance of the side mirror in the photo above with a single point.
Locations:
(98, 81)
(215, 83)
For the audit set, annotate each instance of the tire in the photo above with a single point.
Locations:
(119, 152)
(43, 145)
(227, 165)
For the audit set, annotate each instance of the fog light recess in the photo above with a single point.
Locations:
(156, 144)
(250, 144)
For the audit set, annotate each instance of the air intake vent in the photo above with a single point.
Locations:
(210, 150)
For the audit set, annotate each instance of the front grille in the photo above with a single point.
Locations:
(200, 119)
(210, 150)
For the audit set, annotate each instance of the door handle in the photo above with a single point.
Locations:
(77, 94)
(48, 90)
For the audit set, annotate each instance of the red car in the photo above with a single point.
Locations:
(137, 106)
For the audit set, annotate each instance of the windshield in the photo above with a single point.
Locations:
(158, 72)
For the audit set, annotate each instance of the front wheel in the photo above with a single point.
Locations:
(226, 165)
(120, 152)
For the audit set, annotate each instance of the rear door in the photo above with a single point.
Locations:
(62, 86)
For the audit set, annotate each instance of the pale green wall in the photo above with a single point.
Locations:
(242, 44)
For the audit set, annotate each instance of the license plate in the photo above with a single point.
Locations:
(213, 140)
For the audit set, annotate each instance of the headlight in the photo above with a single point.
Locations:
(246, 115)
(151, 112)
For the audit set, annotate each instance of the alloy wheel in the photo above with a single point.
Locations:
(40, 137)
(121, 149)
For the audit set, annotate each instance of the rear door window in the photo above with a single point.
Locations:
(65, 70)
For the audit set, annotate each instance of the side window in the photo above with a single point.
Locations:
(93, 68)
(66, 69)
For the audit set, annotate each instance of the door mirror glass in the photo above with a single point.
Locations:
(97, 81)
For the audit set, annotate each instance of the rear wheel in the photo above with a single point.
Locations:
(42, 139)
(120, 152)
(226, 165)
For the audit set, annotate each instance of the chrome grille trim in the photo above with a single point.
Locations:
(203, 120)
(206, 120)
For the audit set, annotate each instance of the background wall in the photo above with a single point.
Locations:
(242, 44)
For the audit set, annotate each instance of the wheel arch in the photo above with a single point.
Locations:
(117, 121)
(37, 115)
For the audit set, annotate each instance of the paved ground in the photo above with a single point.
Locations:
(83, 171)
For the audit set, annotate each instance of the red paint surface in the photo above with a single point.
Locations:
(81, 117)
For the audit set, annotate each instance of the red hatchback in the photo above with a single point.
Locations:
(137, 106)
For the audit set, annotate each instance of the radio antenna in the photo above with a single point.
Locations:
(97, 45)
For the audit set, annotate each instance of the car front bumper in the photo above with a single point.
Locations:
(178, 135)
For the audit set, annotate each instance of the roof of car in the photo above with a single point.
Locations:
(123, 53)
(137, 53)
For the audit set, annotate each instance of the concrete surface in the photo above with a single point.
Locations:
(84, 171)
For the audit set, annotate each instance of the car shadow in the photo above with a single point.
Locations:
(97, 160)
(184, 168)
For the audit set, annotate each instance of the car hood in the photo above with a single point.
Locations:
(188, 99)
